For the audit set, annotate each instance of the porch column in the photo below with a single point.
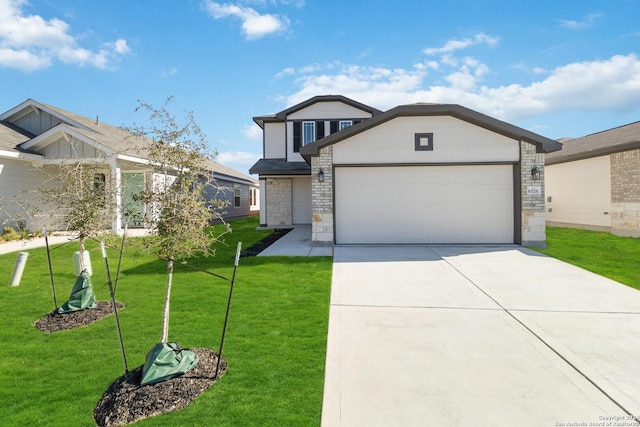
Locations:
(116, 173)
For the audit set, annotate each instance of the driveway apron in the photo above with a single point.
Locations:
(502, 336)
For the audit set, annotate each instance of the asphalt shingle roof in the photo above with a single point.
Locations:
(610, 141)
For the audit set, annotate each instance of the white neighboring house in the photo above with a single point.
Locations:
(594, 182)
(38, 134)
(421, 173)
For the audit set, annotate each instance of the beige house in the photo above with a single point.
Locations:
(34, 135)
(594, 182)
(421, 173)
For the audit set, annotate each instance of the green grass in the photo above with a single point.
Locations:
(610, 256)
(275, 344)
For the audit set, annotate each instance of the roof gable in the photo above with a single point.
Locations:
(65, 131)
(31, 106)
(282, 115)
(105, 138)
(542, 144)
(622, 138)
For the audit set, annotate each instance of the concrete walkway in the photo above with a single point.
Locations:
(26, 245)
(297, 242)
(477, 336)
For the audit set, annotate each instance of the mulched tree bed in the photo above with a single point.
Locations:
(263, 244)
(126, 402)
(55, 322)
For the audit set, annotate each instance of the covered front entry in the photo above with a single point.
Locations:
(424, 204)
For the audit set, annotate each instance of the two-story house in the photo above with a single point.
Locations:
(283, 171)
(420, 173)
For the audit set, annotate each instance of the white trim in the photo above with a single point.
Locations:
(30, 106)
(48, 137)
(133, 159)
(19, 155)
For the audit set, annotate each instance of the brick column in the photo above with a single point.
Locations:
(279, 202)
(625, 193)
(322, 198)
(533, 207)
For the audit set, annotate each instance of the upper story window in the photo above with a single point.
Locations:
(306, 132)
(338, 125)
(344, 124)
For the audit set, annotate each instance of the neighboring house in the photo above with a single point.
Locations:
(594, 182)
(422, 173)
(37, 134)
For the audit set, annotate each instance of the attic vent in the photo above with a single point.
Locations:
(424, 141)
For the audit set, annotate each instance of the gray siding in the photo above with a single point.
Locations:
(21, 181)
(37, 123)
(224, 190)
(61, 149)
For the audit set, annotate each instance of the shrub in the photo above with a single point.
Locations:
(9, 233)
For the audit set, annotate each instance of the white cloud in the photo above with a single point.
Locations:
(23, 60)
(29, 42)
(254, 25)
(586, 22)
(169, 73)
(252, 132)
(238, 160)
(607, 85)
(289, 71)
(371, 85)
(120, 46)
(453, 45)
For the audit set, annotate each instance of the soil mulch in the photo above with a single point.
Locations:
(263, 244)
(126, 402)
(55, 322)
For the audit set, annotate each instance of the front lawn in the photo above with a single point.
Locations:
(275, 343)
(611, 256)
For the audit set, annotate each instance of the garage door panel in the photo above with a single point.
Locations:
(424, 204)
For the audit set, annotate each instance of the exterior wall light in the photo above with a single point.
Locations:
(535, 173)
(321, 176)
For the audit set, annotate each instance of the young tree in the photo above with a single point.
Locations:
(79, 195)
(178, 212)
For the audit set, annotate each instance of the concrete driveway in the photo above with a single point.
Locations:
(478, 336)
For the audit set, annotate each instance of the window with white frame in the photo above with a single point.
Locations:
(308, 132)
(253, 199)
(344, 124)
(236, 196)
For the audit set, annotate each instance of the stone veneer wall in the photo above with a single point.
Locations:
(625, 193)
(533, 210)
(278, 204)
(322, 197)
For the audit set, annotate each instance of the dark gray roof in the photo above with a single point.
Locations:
(544, 145)
(279, 167)
(282, 115)
(610, 141)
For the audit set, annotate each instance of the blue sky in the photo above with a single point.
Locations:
(559, 68)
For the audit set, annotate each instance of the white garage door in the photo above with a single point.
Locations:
(424, 204)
